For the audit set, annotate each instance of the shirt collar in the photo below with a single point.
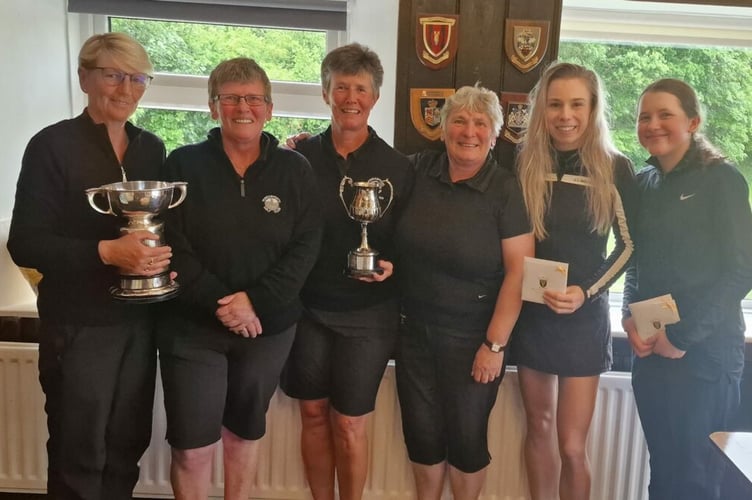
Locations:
(480, 181)
(329, 142)
(268, 142)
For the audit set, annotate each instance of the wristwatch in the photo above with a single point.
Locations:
(495, 347)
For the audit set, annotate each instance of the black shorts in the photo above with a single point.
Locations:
(342, 356)
(444, 411)
(214, 378)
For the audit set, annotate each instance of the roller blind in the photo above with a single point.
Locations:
(301, 14)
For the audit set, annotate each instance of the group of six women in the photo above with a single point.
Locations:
(259, 247)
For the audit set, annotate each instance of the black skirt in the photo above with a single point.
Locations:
(569, 345)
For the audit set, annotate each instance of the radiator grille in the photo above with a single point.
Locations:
(617, 449)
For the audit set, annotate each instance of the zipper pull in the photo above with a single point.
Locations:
(122, 171)
(242, 187)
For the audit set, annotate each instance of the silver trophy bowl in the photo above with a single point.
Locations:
(139, 203)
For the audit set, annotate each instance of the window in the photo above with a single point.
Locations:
(721, 76)
(630, 44)
(175, 105)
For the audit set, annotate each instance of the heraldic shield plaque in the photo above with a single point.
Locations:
(425, 111)
(516, 113)
(525, 43)
(436, 39)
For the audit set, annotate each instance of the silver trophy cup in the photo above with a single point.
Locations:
(140, 203)
(364, 207)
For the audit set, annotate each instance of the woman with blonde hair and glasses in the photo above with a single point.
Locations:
(577, 187)
(97, 356)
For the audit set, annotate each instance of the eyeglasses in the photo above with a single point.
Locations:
(114, 77)
(234, 100)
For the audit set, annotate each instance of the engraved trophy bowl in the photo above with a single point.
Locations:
(140, 203)
(364, 207)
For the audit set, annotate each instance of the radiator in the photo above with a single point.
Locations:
(616, 445)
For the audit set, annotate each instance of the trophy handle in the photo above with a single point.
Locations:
(381, 183)
(183, 187)
(91, 193)
(345, 180)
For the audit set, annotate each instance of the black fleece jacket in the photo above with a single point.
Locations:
(55, 230)
(259, 233)
(694, 240)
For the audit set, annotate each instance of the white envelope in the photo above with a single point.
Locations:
(539, 275)
(654, 314)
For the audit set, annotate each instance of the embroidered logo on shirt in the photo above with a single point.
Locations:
(272, 204)
(683, 196)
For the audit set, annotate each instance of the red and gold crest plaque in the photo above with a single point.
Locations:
(525, 42)
(516, 116)
(425, 110)
(436, 39)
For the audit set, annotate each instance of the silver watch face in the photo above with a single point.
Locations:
(493, 346)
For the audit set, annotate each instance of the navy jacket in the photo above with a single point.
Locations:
(694, 240)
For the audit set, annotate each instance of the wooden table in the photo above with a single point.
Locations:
(736, 450)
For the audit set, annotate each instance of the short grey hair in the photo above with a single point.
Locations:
(352, 59)
(475, 99)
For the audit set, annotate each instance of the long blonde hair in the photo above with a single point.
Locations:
(536, 158)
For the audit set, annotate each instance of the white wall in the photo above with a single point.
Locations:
(374, 23)
(36, 80)
(36, 90)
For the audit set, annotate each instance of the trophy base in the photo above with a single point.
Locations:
(363, 273)
(362, 263)
(145, 290)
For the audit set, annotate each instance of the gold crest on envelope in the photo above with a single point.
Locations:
(436, 39)
(425, 111)
(525, 42)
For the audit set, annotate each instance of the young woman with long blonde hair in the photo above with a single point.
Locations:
(577, 188)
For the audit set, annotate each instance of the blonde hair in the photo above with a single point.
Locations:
(536, 159)
(121, 47)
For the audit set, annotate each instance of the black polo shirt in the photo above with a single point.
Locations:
(449, 241)
(327, 287)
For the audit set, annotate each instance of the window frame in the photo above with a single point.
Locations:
(625, 21)
(657, 23)
(189, 92)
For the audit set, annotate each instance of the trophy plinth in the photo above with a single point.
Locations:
(140, 203)
(364, 207)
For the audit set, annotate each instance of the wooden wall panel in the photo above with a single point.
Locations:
(514, 80)
(480, 57)
(481, 43)
(411, 73)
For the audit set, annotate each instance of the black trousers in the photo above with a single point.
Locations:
(678, 411)
(99, 388)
